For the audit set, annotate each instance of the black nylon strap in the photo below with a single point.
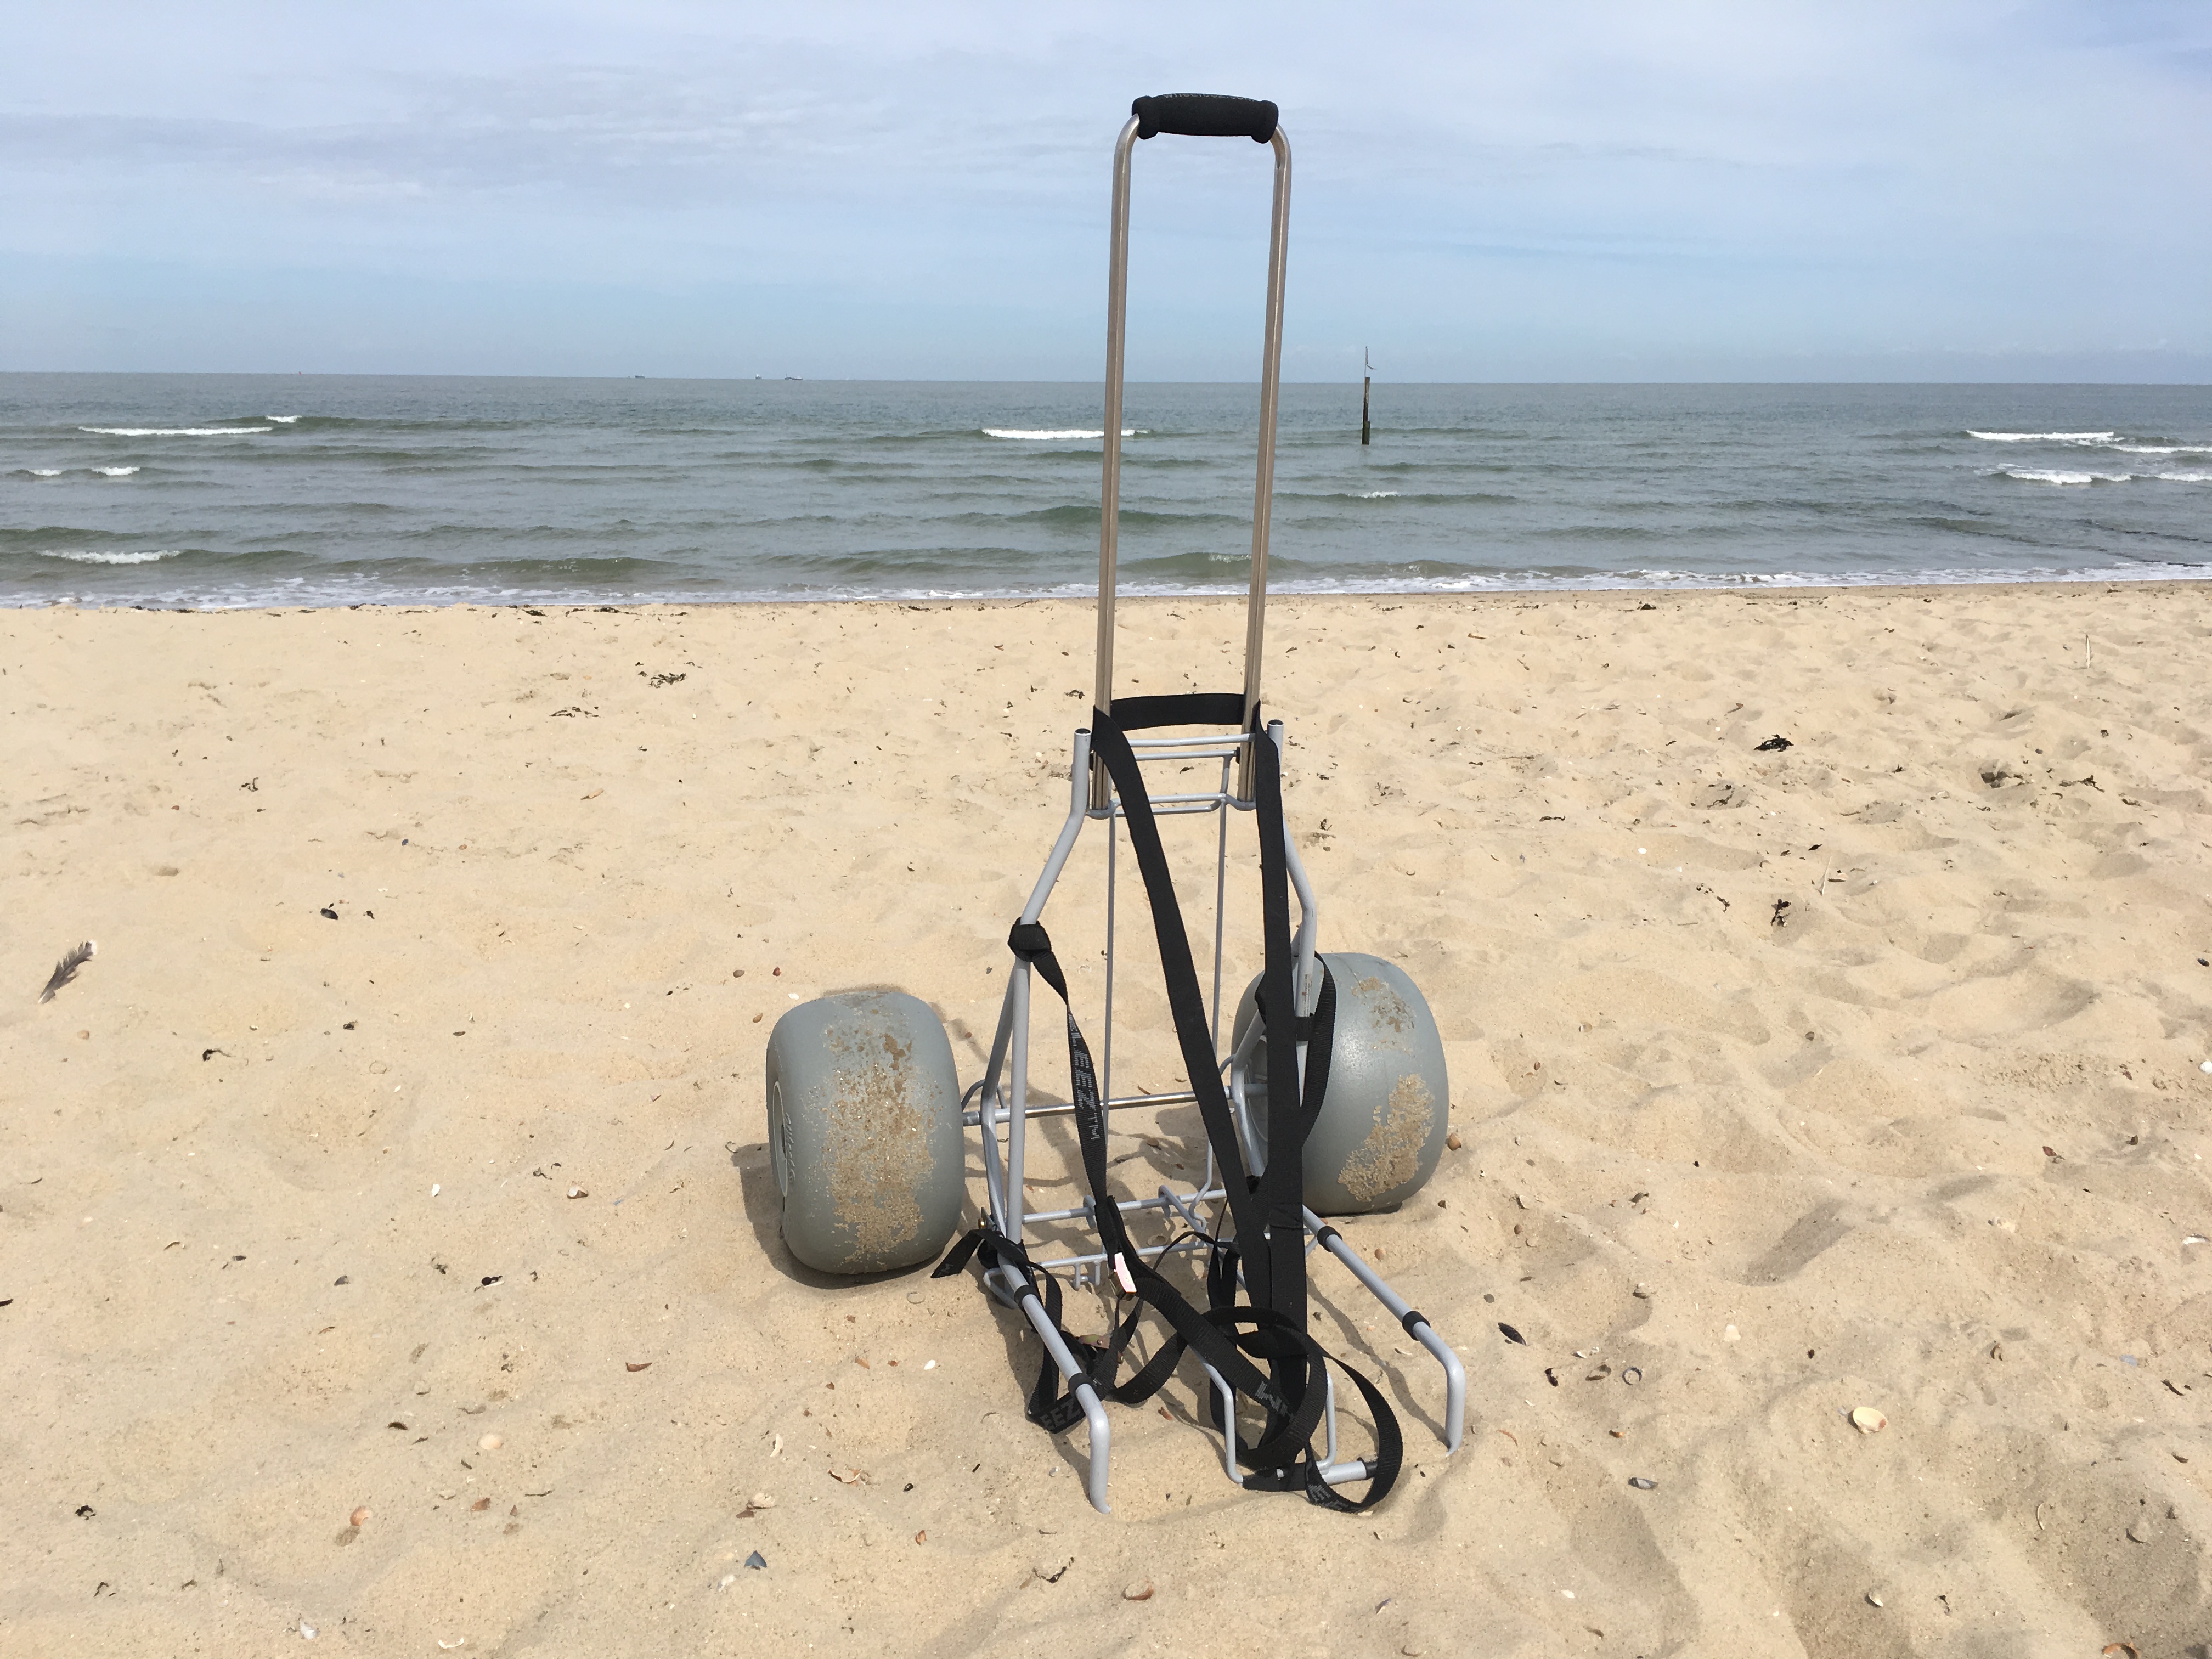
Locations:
(1293, 1105)
(1291, 1354)
(1382, 1468)
(1413, 1316)
(1032, 945)
(1221, 1275)
(1283, 1287)
(1186, 1006)
(1048, 1407)
(1180, 709)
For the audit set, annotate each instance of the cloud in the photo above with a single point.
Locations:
(1492, 188)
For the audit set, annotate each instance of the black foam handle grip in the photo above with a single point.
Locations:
(1205, 115)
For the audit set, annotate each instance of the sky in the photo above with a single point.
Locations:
(1617, 189)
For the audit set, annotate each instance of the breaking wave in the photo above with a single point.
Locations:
(2053, 476)
(1055, 434)
(174, 431)
(96, 555)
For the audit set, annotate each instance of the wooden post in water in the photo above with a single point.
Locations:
(1365, 384)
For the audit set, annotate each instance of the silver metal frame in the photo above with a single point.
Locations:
(998, 1103)
(1263, 486)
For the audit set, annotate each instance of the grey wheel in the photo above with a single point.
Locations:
(1383, 1120)
(864, 1130)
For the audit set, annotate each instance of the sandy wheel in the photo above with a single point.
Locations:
(1382, 1123)
(864, 1132)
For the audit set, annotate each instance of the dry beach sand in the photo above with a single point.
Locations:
(1873, 1061)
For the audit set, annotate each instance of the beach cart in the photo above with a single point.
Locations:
(1329, 1096)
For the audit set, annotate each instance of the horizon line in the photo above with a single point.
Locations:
(901, 380)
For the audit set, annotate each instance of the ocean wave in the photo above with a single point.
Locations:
(44, 471)
(2051, 476)
(95, 556)
(1328, 506)
(1084, 517)
(624, 491)
(2042, 437)
(173, 431)
(115, 472)
(1055, 434)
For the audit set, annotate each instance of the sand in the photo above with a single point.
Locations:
(1874, 1062)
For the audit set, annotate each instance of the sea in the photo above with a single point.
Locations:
(213, 491)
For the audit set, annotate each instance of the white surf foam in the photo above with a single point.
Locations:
(1378, 495)
(94, 555)
(46, 471)
(115, 472)
(2187, 477)
(2042, 437)
(2164, 449)
(281, 420)
(1058, 434)
(173, 431)
(2051, 476)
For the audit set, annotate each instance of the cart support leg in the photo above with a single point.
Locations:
(1094, 1414)
(1439, 1349)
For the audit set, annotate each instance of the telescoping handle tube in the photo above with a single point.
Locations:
(1210, 116)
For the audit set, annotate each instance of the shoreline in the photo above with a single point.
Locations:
(1794, 584)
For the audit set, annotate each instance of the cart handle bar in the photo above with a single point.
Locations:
(1205, 115)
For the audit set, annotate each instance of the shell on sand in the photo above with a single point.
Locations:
(1867, 1420)
(490, 1442)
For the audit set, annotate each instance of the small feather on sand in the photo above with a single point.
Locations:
(65, 970)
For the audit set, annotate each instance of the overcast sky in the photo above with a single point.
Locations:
(1946, 190)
